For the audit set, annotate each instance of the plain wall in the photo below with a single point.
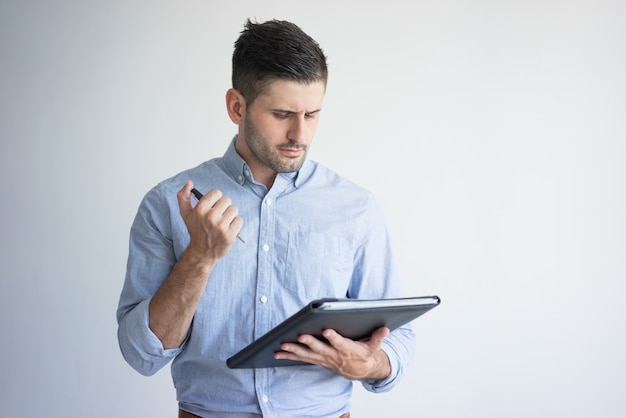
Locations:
(493, 134)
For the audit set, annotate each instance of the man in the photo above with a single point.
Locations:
(197, 294)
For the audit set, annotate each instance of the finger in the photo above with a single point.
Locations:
(334, 338)
(232, 221)
(315, 344)
(301, 351)
(306, 345)
(223, 208)
(237, 224)
(184, 198)
(289, 355)
(223, 213)
(378, 336)
(210, 198)
(295, 349)
(220, 212)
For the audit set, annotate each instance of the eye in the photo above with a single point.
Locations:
(281, 115)
(312, 115)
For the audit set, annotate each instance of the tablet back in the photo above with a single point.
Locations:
(353, 318)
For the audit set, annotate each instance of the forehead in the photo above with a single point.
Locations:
(292, 96)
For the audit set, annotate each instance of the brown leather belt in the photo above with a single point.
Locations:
(185, 414)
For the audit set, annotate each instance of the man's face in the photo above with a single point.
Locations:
(279, 126)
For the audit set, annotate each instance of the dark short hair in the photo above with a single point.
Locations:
(275, 50)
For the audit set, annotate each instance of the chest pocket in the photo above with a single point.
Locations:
(318, 265)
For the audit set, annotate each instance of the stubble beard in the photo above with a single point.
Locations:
(268, 155)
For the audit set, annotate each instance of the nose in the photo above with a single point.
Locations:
(297, 131)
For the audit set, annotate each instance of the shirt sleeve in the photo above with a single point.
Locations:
(376, 276)
(150, 260)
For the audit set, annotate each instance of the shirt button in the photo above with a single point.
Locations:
(263, 299)
(247, 172)
(268, 201)
(266, 247)
(240, 178)
(265, 398)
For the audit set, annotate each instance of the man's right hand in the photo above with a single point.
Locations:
(213, 224)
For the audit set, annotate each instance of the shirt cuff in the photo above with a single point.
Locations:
(141, 347)
(386, 384)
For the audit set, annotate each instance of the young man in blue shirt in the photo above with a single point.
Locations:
(195, 294)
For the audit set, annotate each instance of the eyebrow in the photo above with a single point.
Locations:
(291, 112)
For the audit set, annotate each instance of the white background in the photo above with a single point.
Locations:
(493, 134)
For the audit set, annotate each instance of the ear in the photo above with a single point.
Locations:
(235, 105)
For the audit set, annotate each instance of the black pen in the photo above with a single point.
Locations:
(198, 196)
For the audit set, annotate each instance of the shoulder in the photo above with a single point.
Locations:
(320, 176)
(195, 174)
(163, 196)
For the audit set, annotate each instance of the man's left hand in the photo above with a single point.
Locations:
(355, 360)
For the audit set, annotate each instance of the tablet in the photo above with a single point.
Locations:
(352, 318)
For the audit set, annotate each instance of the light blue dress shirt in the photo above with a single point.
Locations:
(312, 235)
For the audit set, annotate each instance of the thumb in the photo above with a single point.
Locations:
(184, 199)
(379, 336)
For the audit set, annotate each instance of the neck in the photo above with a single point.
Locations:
(261, 173)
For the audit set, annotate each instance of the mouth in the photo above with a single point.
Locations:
(292, 151)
